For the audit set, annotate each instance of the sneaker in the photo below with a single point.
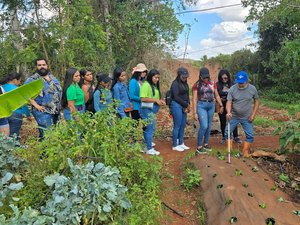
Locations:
(152, 151)
(207, 148)
(223, 141)
(200, 151)
(178, 148)
(237, 140)
(184, 147)
(153, 144)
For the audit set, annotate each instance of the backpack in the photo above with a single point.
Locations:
(89, 105)
(168, 98)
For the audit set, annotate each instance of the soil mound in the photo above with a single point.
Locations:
(241, 190)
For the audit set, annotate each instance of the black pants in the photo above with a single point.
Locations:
(223, 121)
(135, 115)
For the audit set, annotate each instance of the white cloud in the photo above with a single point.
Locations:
(230, 30)
(227, 36)
(235, 13)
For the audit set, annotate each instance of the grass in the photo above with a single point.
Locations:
(266, 122)
(291, 108)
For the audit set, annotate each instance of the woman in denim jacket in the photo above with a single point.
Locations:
(138, 75)
(120, 93)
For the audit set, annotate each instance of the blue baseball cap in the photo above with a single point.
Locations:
(241, 77)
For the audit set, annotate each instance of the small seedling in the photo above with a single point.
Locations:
(219, 186)
(228, 201)
(255, 169)
(296, 212)
(270, 221)
(214, 175)
(251, 194)
(221, 157)
(262, 205)
(284, 178)
(238, 172)
(280, 199)
(245, 185)
(273, 189)
(232, 219)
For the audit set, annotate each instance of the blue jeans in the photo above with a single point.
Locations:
(247, 126)
(44, 121)
(67, 112)
(15, 122)
(150, 116)
(179, 120)
(205, 112)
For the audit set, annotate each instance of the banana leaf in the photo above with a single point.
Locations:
(12, 100)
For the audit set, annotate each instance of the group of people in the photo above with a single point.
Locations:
(140, 100)
(233, 102)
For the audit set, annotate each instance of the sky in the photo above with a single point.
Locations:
(214, 31)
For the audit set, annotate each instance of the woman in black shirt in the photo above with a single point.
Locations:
(180, 106)
(223, 85)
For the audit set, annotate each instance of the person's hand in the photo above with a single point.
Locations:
(39, 107)
(161, 102)
(221, 110)
(29, 118)
(228, 116)
(251, 118)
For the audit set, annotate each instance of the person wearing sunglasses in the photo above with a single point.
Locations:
(223, 85)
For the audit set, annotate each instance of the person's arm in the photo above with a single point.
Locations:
(255, 108)
(219, 101)
(85, 90)
(154, 100)
(195, 99)
(35, 105)
(71, 106)
(228, 109)
(97, 100)
(117, 96)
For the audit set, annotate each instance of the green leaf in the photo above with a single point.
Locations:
(12, 100)
(296, 212)
(262, 205)
(15, 186)
(7, 178)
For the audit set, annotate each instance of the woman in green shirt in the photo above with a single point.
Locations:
(72, 96)
(150, 104)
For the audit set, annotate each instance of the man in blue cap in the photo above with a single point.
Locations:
(239, 108)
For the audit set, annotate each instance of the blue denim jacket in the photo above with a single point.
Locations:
(120, 93)
(50, 96)
(134, 94)
(102, 99)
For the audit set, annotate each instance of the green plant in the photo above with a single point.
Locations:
(191, 178)
(10, 167)
(228, 201)
(289, 135)
(91, 193)
(266, 122)
(238, 172)
(284, 178)
(102, 138)
(262, 205)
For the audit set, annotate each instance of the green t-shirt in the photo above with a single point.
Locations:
(146, 91)
(74, 93)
